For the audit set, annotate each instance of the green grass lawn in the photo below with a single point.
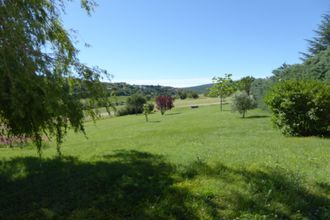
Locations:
(188, 164)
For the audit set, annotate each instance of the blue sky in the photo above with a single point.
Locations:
(186, 42)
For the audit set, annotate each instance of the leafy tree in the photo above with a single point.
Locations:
(136, 102)
(164, 103)
(322, 40)
(193, 95)
(259, 89)
(147, 110)
(245, 83)
(182, 94)
(301, 108)
(39, 70)
(222, 87)
(243, 102)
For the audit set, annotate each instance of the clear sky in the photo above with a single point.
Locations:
(186, 42)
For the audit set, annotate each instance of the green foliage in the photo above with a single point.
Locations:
(147, 109)
(318, 66)
(193, 95)
(322, 41)
(136, 102)
(245, 83)
(151, 91)
(222, 87)
(182, 94)
(259, 89)
(242, 102)
(301, 108)
(37, 86)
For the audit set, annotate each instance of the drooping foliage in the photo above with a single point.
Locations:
(164, 103)
(39, 70)
(301, 107)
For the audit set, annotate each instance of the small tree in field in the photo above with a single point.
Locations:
(164, 103)
(222, 87)
(147, 110)
(243, 102)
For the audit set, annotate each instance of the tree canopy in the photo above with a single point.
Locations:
(222, 87)
(39, 70)
(322, 39)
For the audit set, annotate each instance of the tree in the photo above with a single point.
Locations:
(222, 87)
(193, 95)
(322, 40)
(164, 103)
(245, 83)
(147, 109)
(243, 102)
(300, 107)
(39, 70)
(136, 102)
(182, 94)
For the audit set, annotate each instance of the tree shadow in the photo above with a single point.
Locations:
(140, 185)
(123, 185)
(153, 121)
(257, 116)
(173, 113)
(266, 193)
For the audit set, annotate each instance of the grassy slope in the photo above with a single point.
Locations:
(190, 163)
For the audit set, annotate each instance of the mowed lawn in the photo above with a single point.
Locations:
(188, 164)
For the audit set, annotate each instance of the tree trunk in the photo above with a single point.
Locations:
(221, 100)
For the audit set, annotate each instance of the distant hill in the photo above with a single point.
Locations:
(125, 89)
(202, 89)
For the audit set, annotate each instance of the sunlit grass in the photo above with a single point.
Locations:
(189, 163)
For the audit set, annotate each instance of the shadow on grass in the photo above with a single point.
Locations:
(173, 113)
(265, 194)
(125, 185)
(139, 185)
(257, 116)
(153, 121)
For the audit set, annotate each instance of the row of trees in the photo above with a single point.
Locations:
(137, 104)
(225, 86)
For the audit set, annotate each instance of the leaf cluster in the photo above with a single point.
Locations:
(300, 108)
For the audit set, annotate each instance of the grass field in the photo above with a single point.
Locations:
(188, 164)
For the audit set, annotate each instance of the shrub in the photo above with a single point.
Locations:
(135, 103)
(300, 108)
(193, 95)
(151, 107)
(243, 102)
(164, 103)
(182, 94)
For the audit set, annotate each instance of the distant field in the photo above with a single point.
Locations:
(188, 164)
(202, 100)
